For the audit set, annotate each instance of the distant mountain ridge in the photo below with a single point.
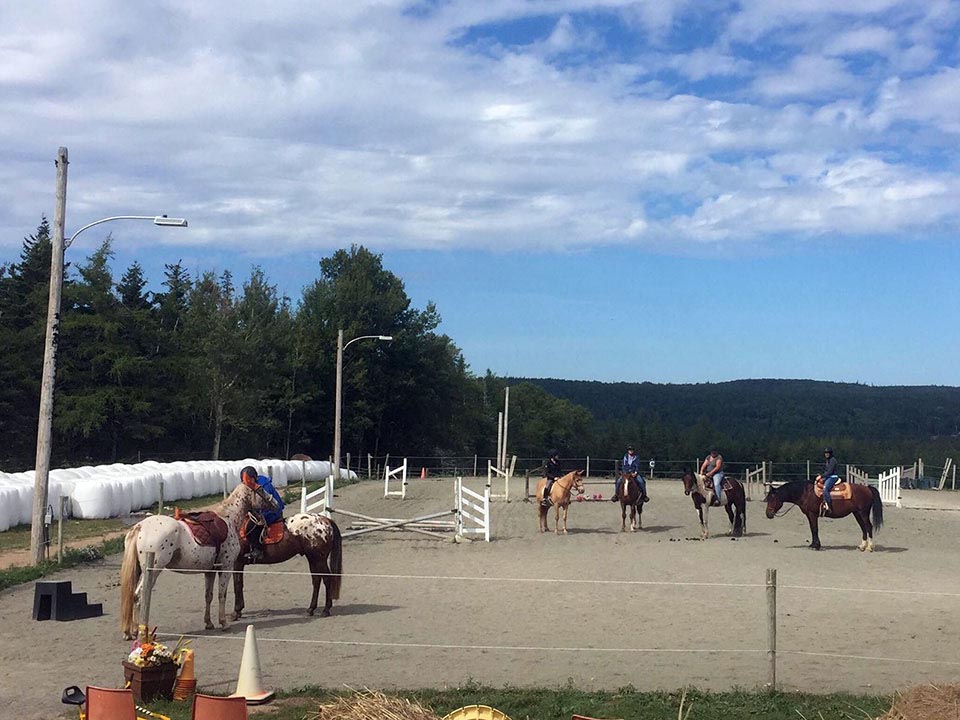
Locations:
(773, 408)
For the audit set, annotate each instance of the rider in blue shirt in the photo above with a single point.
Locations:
(630, 466)
(253, 530)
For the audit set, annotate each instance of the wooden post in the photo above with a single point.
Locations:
(499, 459)
(808, 471)
(160, 501)
(63, 511)
(474, 465)
(348, 465)
(506, 425)
(954, 481)
(41, 478)
(526, 484)
(145, 593)
(369, 466)
(771, 630)
(588, 467)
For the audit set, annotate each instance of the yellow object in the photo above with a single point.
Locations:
(186, 683)
(249, 682)
(476, 712)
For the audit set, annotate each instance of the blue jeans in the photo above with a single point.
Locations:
(717, 482)
(828, 484)
(641, 481)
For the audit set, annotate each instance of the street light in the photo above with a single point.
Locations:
(336, 422)
(45, 425)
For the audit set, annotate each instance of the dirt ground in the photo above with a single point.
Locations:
(556, 632)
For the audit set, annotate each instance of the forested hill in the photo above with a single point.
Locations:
(773, 408)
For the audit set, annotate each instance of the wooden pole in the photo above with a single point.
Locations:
(160, 501)
(369, 466)
(145, 593)
(588, 467)
(808, 471)
(41, 479)
(63, 511)
(771, 630)
(506, 425)
(499, 461)
(475, 465)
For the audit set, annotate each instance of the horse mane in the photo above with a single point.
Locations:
(790, 490)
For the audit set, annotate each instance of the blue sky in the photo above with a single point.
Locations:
(670, 191)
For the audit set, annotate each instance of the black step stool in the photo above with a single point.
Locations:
(57, 601)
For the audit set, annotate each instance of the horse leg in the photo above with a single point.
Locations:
(565, 519)
(704, 521)
(208, 596)
(729, 508)
(623, 518)
(814, 530)
(238, 588)
(223, 587)
(863, 530)
(556, 519)
(318, 572)
(640, 515)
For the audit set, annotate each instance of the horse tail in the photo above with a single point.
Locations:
(130, 572)
(877, 508)
(336, 563)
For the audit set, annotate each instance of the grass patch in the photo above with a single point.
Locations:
(18, 537)
(19, 574)
(627, 703)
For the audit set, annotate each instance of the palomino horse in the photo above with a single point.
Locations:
(630, 497)
(734, 502)
(311, 535)
(173, 547)
(864, 500)
(559, 498)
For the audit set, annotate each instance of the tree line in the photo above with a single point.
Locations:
(208, 366)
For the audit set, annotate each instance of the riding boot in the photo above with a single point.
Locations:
(645, 498)
(616, 497)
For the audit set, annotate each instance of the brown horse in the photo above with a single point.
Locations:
(314, 536)
(559, 498)
(734, 501)
(630, 497)
(864, 501)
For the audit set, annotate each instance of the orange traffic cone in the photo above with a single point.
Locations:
(250, 682)
(423, 473)
(186, 682)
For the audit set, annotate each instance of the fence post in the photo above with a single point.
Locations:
(526, 485)
(160, 502)
(63, 511)
(588, 467)
(475, 466)
(771, 629)
(145, 592)
(808, 471)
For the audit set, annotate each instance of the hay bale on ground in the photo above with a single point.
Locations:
(926, 702)
(370, 705)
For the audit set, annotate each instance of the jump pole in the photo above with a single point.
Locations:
(398, 524)
(771, 629)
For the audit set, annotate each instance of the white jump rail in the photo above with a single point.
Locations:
(889, 486)
(754, 479)
(319, 500)
(493, 471)
(399, 473)
(473, 511)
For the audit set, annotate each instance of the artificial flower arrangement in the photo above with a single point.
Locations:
(152, 653)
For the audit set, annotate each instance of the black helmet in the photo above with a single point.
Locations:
(553, 453)
(828, 450)
(630, 447)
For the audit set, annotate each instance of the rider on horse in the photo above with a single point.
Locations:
(255, 528)
(712, 469)
(630, 468)
(551, 471)
(829, 476)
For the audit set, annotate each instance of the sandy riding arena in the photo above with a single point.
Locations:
(655, 609)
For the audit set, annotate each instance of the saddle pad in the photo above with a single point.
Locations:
(840, 491)
(274, 533)
(207, 528)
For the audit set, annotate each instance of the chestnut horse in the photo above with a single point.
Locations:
(864, 500)
(734, 502)
(311, 535)
(559, 498)
(630, 497)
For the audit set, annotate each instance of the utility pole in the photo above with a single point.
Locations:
(45, 426)
(336, 419)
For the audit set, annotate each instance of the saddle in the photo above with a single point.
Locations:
(207, 528)
(841, 491)
(271, 534)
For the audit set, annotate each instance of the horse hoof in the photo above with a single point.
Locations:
(869, 548)
(236, 616)
(208, 626)
(325, 613)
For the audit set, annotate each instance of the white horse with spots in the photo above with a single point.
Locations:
(174, 547)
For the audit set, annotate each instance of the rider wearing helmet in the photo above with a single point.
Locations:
(253, 530)
(630, 467)
(551, 471)
(829, 476)
(712, 469)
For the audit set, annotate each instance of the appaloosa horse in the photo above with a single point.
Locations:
(308, 534)
(559, 498)
(630, 497)
(864, 501)
(732, 497)
(174, 547)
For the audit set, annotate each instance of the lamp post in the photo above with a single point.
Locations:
(336, 421)
(41, 480)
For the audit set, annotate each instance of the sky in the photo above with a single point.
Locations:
(672, 191)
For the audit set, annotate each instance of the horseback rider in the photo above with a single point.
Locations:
(255, 527)
(551, 471)
(630, 468)
(829, 476)
(712, 469)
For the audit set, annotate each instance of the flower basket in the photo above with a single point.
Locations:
(150, 682)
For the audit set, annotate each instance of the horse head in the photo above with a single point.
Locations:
(578, 482)
(774, 502)
(688, 481)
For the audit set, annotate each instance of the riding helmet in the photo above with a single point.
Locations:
(828, 450)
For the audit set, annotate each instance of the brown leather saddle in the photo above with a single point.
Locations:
(207, 528)
(272, 534)
(841, 491)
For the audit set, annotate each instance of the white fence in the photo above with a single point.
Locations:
(400, 474)
(889, 485)
(493, 471)
(473, 511)
(320, 500)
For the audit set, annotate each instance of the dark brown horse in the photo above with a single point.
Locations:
(734, 501)
(630, 497)
(316, 537)
(864, 501)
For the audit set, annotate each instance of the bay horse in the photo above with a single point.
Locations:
(735, 505)
(559, 498)
(175, 548)
(864, 504)
(314, 536)
(630, 497)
